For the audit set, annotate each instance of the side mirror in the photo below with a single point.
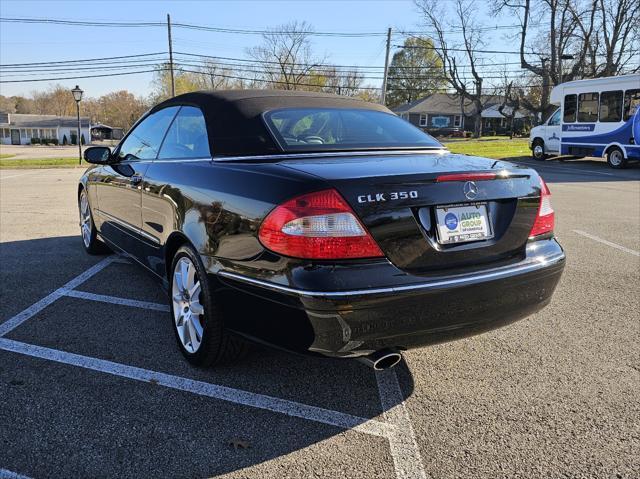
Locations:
(98, 155)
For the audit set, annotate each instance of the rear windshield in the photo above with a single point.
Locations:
(330, 129)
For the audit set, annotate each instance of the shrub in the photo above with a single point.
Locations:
(45, 141)
(64, 140)
(54, 141)
(82, 139)
(35, 141)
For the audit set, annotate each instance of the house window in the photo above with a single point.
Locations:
(457, 121)
(23, 133)
(588, 107)
(423, 119)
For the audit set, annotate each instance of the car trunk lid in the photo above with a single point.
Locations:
(397, 195)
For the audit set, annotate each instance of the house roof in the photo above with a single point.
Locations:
(446, 104)
(107, 127)
(493, 112)
(22, 120)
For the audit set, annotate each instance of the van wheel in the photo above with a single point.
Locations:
(538, 150)
(198, 322)
(616, 158)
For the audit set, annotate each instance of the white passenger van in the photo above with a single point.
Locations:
(598, 117)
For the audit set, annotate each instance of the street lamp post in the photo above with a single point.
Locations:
(77, 96)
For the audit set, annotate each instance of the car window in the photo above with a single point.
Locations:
(631, 103)
(555, 119)
(187, 136)
(143, 143)
(320, 129)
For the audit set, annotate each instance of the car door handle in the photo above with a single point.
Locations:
(135, 179)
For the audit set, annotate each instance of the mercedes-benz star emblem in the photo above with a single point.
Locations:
(470, 190)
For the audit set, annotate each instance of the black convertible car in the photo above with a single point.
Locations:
(319, 224)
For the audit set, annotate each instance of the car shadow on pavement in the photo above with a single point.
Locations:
(125, 427)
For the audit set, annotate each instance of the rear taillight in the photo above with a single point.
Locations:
(318, 225)
(546, 217)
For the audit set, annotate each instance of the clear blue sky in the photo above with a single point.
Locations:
(20, 43)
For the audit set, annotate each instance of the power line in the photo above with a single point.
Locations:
(84, 60)
(241, 31)
(247, 60)
(84, 76)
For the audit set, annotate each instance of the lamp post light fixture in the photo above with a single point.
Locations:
(77, 96)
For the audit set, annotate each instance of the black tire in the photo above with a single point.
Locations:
(537, 150)
(90, 243)
(615, 158)
(217, 345)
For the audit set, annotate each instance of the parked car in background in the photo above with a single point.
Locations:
(598, 117)
(319, 224)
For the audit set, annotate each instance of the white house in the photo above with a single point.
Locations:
(19, 129)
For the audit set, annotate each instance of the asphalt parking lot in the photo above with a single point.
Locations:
(92, 384)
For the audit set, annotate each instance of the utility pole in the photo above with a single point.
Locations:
(173, 84)
(383, 97)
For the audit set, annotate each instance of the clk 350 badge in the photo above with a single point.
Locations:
(392, 196)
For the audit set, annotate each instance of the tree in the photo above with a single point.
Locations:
(8, 104)
(340, 82)
(286, 57)
(56, 100)
(185, 82)
(510, 103)
(456, 66)
(562, 40)
(415, 71)
(120, 109)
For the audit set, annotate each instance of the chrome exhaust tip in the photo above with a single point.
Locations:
(381, 360)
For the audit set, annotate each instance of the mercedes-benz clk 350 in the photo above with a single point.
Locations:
(318, 224)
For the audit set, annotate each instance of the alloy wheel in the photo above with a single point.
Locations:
(85, 219)
(188, 312)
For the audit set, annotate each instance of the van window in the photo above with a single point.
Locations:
(611, 106)
(631, 103)
(555, 119)
(588, 107)
(570, 107)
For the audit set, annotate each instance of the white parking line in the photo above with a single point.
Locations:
(4, 474)
(608, 243)
(35, 308)
(237, 396)
(404, 448)
(116, 300)
(397, 428)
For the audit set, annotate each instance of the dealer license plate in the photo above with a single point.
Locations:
(459, 224)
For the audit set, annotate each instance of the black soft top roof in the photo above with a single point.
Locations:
(234, 117)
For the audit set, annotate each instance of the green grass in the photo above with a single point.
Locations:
(496, 149)
(5, 155)
(40, 163)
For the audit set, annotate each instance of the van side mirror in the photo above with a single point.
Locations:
(98, 155)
